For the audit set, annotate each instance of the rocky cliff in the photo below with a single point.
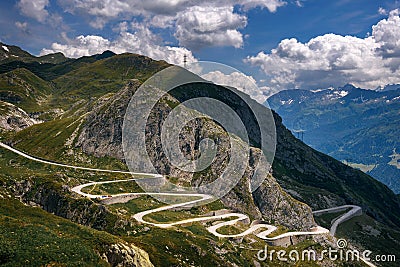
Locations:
(101, 135)
(13, 118)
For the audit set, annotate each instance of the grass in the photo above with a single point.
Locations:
(105, 76)
(168, 216)
(280, 230)
(138, 204)
(26, 90)
(187, 245)
(326, 220)
(48, 141)
(366, 233)
(113, 188)
(32, 237)
(231, 229)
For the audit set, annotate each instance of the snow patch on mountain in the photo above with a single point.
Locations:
(287, 102)
(341, 93)
(319, 90)
(388, 87)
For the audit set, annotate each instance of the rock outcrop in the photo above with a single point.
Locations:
(102, 131)
(55, 199)
(13, 118)
(101, 135)
(126, 255)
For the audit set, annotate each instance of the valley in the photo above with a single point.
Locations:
(356, 126)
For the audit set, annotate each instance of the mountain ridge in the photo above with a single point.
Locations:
(362, 126)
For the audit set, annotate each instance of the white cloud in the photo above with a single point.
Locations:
(333, 60)
(271, 5)
(244, 83)
(387, 33)
(81, 46)
(382, 11)
(101, 8)
(209, 26)
(299, 3)
(23, 26)
(196, 23)
(141, 41)
(114, 8)
(34, 9)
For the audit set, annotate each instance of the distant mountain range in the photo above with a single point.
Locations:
(358, 127)
(388, 87)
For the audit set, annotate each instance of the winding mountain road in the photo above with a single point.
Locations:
(199, 198)
(355, 210)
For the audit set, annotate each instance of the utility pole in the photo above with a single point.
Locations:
(300, 134)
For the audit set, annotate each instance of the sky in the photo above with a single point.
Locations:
(277, 44)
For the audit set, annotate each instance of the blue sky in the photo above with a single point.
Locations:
(281, 44)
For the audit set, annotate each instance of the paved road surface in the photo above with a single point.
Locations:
(354, 211)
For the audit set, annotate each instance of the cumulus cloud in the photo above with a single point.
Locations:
(196, 23)
(333, 60)
(141, 41)
(271, 5)
(34, 9)
(207, 26)
(244, 83)
(81, 46)
(387, 34)
(101, 8)
(113, 8)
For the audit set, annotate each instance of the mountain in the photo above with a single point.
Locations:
(81, 124)
(10, 53)
(356, 126)
(389, 87)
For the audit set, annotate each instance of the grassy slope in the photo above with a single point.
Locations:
(106, 75)
(76, 79)
(31, 236)
(316, 173)
(329, 177)
(24, 89)
(372, 235)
